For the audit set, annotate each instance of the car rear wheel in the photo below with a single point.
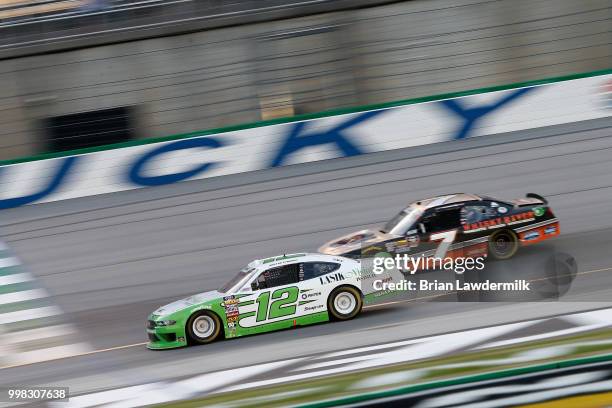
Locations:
(203, 327)
(344, 303)
(503, 244)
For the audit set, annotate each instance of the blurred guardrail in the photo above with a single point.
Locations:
(60, 100)
(30, 26)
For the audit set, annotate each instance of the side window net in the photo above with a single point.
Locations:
(284, 275)
(310, 270)
(443, 220)
(474, 213)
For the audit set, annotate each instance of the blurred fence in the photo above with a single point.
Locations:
(207, 79)
(31, 26)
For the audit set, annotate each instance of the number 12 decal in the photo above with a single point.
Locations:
(283, 303)
(447, 237)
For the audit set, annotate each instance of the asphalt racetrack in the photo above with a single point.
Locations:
(110, 260)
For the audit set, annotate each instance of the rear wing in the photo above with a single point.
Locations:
(537, 197)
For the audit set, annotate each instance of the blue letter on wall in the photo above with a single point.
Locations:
(136, 175)
(297, 140)
(471, 115)
(60, 177)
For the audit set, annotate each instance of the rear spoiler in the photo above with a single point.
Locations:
(537, 196)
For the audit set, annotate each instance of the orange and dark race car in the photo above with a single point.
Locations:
(455, 225)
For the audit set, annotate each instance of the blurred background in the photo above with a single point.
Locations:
(79, 276)
(82, 73)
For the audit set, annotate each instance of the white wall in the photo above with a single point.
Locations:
(299, 142)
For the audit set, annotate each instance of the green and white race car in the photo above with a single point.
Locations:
(269, 294)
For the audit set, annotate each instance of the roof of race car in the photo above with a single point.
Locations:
(288, 258)
(445, 199)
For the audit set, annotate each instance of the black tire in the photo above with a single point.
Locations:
(344, 303)
(203, 327)
(503, 244)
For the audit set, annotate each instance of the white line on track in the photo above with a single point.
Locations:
(24, 336)
(22, 296)
(372, 348)
(565, 332)
(29, 314)
(15, 278)
(8, 262)
(46, 354)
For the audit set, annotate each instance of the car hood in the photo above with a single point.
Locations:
(353, 241)
(187, 302)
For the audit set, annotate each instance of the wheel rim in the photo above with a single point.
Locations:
(503, 244)
(345, 303)
(203, 326)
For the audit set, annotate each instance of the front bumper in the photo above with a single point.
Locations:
(166, 337)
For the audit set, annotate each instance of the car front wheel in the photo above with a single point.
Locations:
(203, 327)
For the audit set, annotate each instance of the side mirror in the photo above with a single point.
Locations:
(254, 285)
(422, 227)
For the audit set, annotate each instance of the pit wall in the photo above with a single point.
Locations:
(263, 145)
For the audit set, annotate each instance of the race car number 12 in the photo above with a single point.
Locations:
(283, 303)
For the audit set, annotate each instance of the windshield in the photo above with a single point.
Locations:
(236, 279)
(402, 222)
(394, 221)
